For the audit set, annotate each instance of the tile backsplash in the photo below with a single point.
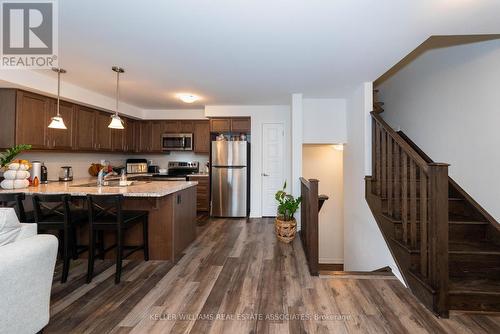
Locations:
(81, 161)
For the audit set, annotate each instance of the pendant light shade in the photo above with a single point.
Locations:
(57, 121)
(116, 121)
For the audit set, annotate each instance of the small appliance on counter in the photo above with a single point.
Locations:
(44, 174)
(36, 170)
(66, 174)
(39, 171)
(153, 169)
(136, 166)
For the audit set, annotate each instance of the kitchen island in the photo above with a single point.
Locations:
(171, 206)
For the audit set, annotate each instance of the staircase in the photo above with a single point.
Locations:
(446, 245)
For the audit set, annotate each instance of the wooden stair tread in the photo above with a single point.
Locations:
(452, 220)
(465, 285)
(483, 247)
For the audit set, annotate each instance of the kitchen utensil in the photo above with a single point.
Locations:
(66, 174)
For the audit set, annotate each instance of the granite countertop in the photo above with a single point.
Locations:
(78, 187)
(198, 175)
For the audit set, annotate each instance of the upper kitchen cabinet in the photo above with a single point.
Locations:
(230, 124)
(8, 117)
(103, 133)
(240, 124)
(61, 139)
(187, 127)
(201, 137)
(85, 128)
(32, 120)
(118, 139)
(129, 143)
(145, 137)
(172, 126)
(157, 130)
(220, 125)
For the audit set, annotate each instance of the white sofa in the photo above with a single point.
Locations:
(26, 271)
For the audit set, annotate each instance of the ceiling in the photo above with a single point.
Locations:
(250, 51)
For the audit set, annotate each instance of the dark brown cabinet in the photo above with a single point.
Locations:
(172, 126)
(231, 124)
(129, 142)
(202, 192)
(187, 127)
(157, 130)
(201, 137)
(220, 125)
(85, 128)
(117, 140)
(25, 117)
(32, 120)
(103, 133)
(240, 125)
(145, 137)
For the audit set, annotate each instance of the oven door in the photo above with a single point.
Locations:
(172, 142)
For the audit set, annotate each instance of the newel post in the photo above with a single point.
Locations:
(438, 235)
(313, 221)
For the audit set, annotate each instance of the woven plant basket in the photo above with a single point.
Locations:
(285, 230)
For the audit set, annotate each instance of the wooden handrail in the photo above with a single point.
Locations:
(309, 223)
(414, 191)
(404, 145)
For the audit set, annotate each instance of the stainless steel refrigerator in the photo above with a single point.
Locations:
(229, 184)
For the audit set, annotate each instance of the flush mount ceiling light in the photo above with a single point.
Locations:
(116, 121)
(188, 98)
(57, 121)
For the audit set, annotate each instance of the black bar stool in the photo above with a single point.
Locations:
(106, 214)
(54, 213)
(15, 200)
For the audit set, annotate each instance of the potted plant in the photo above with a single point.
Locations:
(285, 224)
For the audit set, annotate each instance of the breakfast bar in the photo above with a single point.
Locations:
(171, 206)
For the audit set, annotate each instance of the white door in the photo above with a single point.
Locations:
(273, 175)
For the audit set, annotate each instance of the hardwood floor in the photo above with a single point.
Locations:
(236, 278)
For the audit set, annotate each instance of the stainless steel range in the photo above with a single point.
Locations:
(179, 171)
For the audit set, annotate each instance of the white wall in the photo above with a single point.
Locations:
(259, 115)
(364, 246)
(324, 121)
(325, 163)
(448, 102)
(296, 147)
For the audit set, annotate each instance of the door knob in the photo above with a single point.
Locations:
(264, 174)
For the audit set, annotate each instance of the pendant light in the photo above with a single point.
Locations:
(116, 121)
(57, 121)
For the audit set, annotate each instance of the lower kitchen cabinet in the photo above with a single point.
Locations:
(202, 192)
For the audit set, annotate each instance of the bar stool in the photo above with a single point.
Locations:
(106, 214)
(53, 212)
(15, 200)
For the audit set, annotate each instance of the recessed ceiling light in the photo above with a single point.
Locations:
(187, 98)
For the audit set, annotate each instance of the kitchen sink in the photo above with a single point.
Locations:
(113, 183)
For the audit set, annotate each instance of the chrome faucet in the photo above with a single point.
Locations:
(103, 175)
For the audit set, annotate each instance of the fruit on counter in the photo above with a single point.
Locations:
(94, 169)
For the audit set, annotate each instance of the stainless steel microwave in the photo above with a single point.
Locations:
(177, 142)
